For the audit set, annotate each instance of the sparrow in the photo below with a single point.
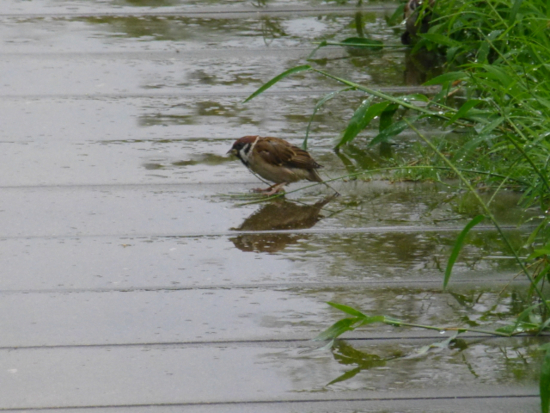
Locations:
(275, 160)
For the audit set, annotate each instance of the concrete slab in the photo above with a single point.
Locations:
(66, 30)
(34, 264)
(61, 318)
(164, 375)
(201, 210)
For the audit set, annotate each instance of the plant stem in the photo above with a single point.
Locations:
(458, 329)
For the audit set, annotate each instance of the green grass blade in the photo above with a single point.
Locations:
(458, 246)
(276, 79)
(397, 15)
(514, 11)
(353, 42)
(488, 213)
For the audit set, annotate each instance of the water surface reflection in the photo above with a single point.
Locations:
(277, 215)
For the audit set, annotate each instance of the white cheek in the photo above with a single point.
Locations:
(243, 154)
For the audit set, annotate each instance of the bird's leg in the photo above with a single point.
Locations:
(275, 189)
(272, 190)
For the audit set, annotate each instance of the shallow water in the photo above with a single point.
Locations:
(134, 278)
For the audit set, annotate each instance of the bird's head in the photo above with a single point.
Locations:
(241, 148)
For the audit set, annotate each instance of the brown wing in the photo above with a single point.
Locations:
(279, 152)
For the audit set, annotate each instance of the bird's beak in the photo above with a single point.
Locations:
(232, 152)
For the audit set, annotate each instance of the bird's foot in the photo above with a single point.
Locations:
(272, 190)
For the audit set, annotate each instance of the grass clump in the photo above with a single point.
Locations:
(496, 93)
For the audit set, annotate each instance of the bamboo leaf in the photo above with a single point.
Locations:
(469, 147)
(438, 345)
(481, 115)
(347, 309)
(517, 328)
(397, 15)
(447, 77)
(539, 252)
(361, 119)
(372, 319)
(494, 34)
(451, 53)
(416, 97)
(276, 79)
(464, 109)
(346, 376)
(483, 52)
(337, 329)
(363, 43)
(535, 233)
(544, 325)
(521, 323)
(392, 130)
(492, 125)
(514, 11)
(356, 123)
(458, 246)
(498, 74)
(386, 116)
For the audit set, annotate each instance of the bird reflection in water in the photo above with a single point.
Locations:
(278, 215)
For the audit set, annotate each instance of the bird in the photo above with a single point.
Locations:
(275, 160)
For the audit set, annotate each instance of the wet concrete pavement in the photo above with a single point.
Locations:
(133, 281)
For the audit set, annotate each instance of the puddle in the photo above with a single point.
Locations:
(387, 367)
(103, 262)
(255, 377)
